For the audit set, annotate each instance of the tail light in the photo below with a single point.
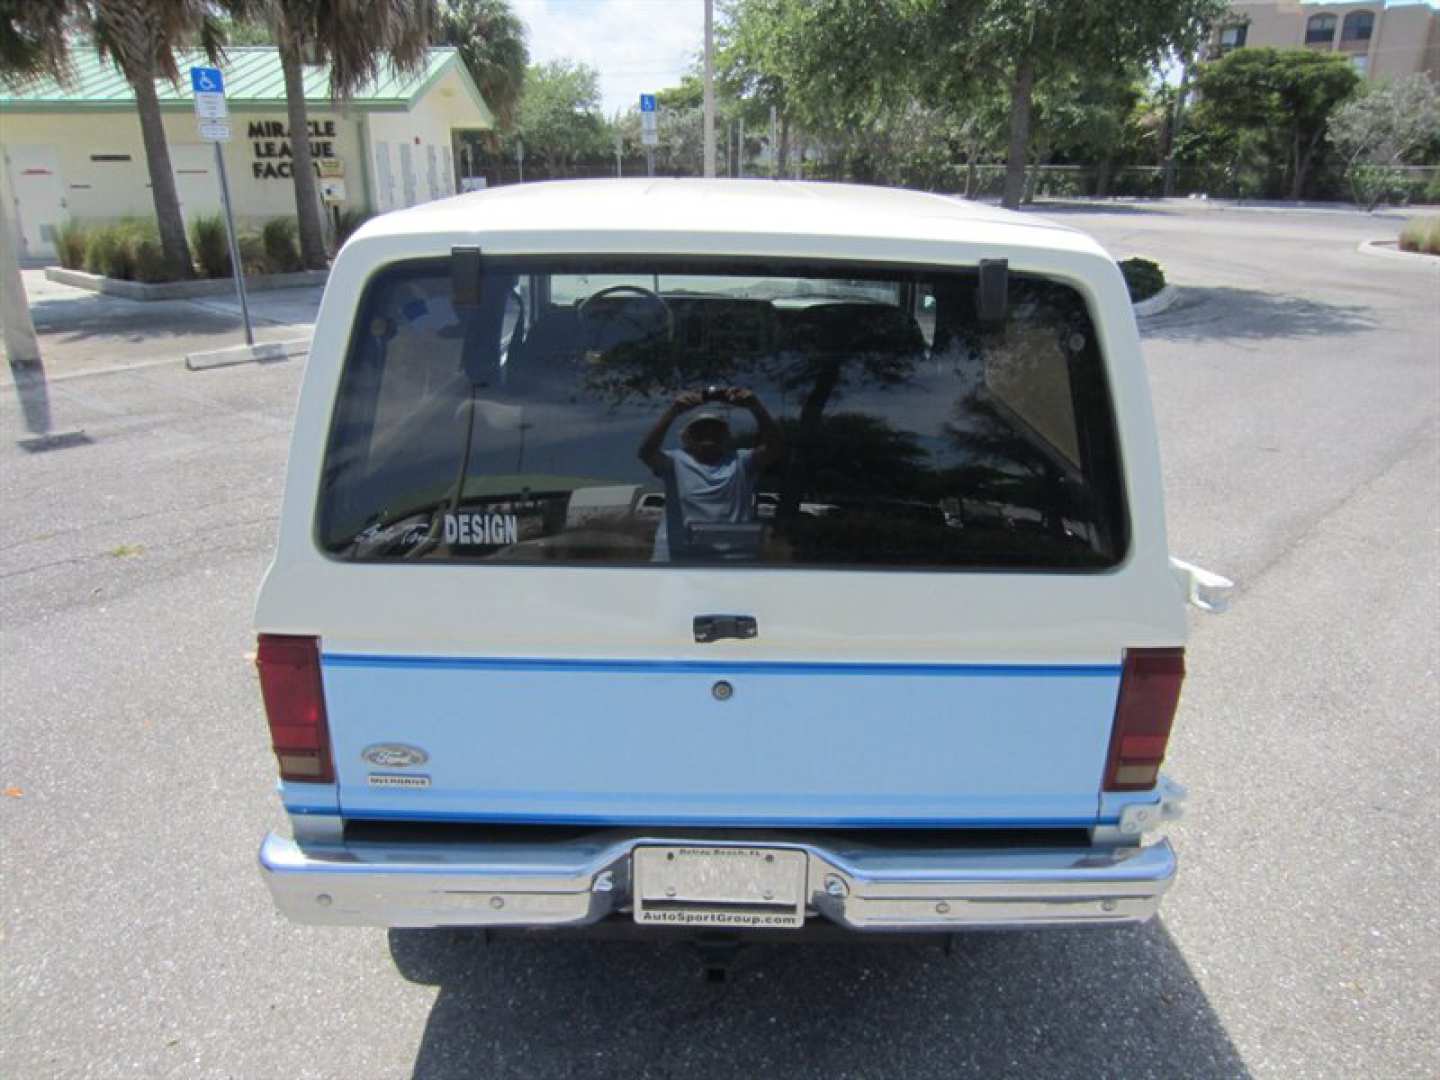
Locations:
(295, 706)
(1149, 693)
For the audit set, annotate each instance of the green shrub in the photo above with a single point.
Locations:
(1421, 235)
(150, 262)
(1373, 184)
(350, 220)
(282, 246)
(1143, 277)
(110, 251)
(253, 259)
(70, 243)
(212, 247)
(1432, 189)
(127, 250)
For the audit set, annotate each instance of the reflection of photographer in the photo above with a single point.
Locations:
(709, 484)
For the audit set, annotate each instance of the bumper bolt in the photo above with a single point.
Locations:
(1108, 905)
(835, 885)
(324, 899)
(942, 908)
(669, 890)
(497, 902)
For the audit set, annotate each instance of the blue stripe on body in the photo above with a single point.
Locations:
(749, 667)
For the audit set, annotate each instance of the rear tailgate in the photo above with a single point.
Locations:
(720, 742)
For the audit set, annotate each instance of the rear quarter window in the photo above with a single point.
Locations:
(659, 413)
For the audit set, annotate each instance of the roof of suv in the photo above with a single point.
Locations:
(776, 208)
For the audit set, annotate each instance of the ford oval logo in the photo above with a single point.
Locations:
(393, 755)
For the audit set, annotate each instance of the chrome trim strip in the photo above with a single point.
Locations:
(578, 882)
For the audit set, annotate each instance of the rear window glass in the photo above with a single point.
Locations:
(660, 413)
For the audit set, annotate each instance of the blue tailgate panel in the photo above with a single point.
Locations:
(650, 742)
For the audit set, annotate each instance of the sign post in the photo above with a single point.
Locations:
(214, 121)
(649, 131)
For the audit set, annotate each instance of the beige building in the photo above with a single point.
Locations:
(74, 151)
(1384, 40)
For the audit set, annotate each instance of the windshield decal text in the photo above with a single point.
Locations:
(491, 529)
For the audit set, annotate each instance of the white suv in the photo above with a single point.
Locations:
(503, 693)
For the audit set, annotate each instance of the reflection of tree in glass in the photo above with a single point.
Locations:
(854, 455)
(1010, 467)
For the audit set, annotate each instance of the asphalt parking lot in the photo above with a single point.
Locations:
(1297, 388)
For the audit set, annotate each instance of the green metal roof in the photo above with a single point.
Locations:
(253, 79)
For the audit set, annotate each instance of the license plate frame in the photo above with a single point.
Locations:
(711, 886)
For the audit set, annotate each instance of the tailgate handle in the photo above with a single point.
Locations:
(710, 628)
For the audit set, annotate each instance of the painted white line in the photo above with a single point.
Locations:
(84, 373)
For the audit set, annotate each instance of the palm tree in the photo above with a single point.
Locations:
(141, 37)
(491, 40)
(354, 37)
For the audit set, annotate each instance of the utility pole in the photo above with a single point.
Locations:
(520, 159)
(710, 88)
(1175, 125)
(740, 151)
(22, 347)
(618, 168)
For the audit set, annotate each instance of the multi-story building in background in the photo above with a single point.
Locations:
(1384, 40)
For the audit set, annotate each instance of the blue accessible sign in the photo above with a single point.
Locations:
(647, 102)
(207, 81)
(209, 86)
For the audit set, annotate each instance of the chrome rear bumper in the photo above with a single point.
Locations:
(576, 882)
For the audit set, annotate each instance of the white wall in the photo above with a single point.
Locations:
(426, 130)
(102, 172)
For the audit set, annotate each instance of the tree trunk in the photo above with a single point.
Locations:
(1020, 94)
(302, 169)
(784, 164)
(1302, 166)
(1102, 176)
(1297, 169)
(971, 174)
(168, 218)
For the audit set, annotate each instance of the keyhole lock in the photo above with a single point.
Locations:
(722, 691)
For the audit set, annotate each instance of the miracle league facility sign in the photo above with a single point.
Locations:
(270, 140)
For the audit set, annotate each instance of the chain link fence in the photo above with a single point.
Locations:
(1411, 184)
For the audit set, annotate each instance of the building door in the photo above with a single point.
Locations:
(39, 197)
(196, 182)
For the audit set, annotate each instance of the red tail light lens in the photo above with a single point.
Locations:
(1149, 693)
(295, 706)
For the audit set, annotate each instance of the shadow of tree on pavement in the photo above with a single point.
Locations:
(1225, 313)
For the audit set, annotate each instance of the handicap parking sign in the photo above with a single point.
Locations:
(207, 80)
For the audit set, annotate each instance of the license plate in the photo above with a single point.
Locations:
(740, 887)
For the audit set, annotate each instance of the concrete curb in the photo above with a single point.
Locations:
(260, 352)
(1161, 301)
(182, 290)
(1388, 249)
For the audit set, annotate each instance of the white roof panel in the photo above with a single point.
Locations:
(727, 210)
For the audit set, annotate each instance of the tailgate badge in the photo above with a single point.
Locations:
(394, 755)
